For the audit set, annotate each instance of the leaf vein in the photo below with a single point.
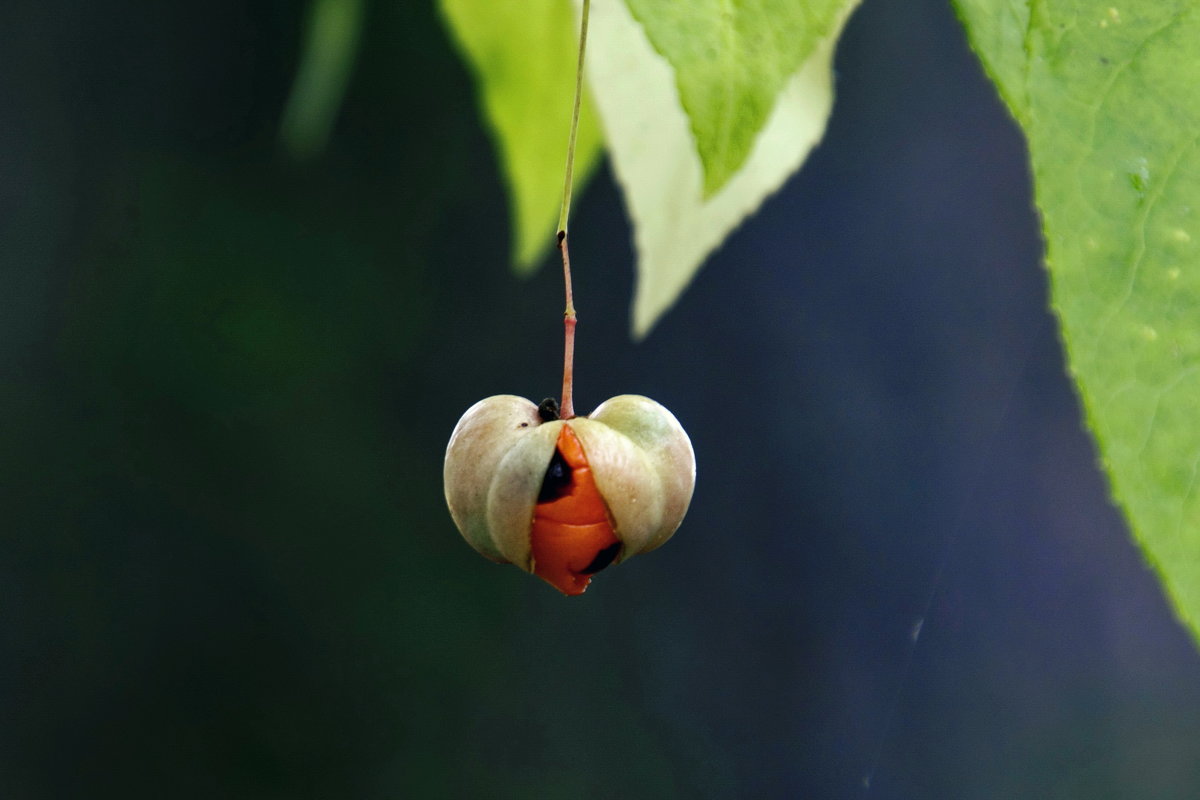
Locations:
(1158, 398)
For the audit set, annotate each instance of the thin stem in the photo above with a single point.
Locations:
(566, 201)
(567, 404)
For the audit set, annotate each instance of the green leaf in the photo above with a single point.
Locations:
(732, 58)
(1107, 96)
(676, 225)
(524, 55)
(330, 47)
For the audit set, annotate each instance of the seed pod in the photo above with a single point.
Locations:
(565, 498)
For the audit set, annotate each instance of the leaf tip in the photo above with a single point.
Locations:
(648, 309)
(714, 181)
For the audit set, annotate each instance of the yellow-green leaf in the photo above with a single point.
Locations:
(523, 54)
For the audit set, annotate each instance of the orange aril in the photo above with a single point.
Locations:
(572, 535)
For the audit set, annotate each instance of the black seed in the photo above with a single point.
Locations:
(548, 409)
(557, 481)
(602, 559)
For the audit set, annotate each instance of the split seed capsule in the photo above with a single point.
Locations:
(564, 499)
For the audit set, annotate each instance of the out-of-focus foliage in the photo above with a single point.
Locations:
(732, 59)
(331, 44)
(1106, 95)
(705, 114)
(678, 220)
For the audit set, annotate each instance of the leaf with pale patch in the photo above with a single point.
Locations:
(732, 58)
(649, 139)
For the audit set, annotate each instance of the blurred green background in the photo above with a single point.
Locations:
(227, 379)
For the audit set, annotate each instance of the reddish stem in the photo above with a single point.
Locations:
(567, 406)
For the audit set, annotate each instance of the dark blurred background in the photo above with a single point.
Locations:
(227, 379)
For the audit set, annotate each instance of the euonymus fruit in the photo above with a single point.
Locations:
(564, 499)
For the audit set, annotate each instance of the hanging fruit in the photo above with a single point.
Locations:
(563, 496)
